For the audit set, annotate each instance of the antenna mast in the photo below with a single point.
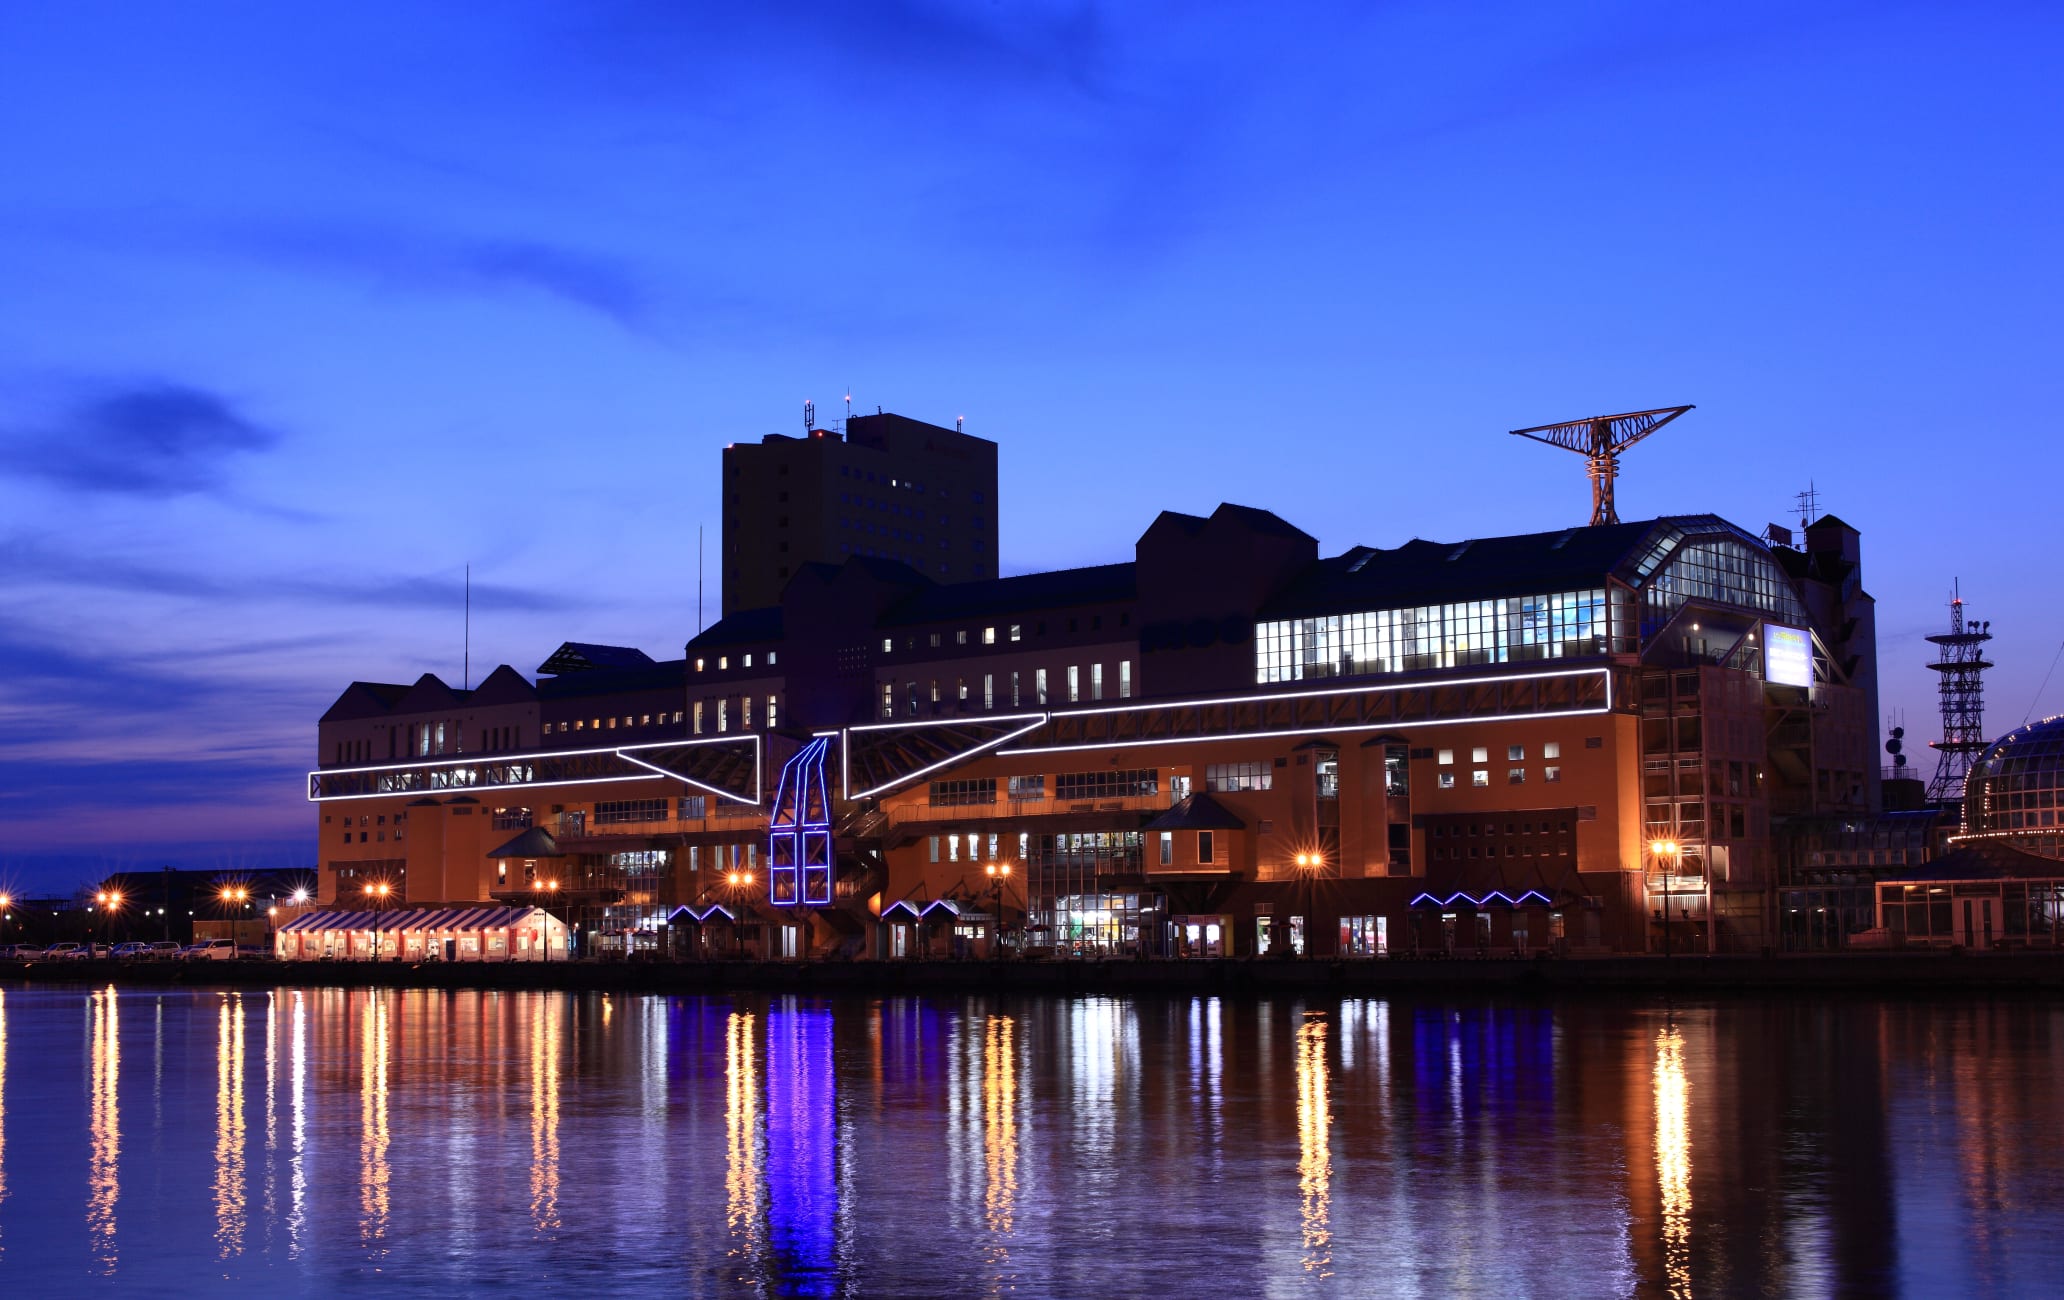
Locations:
(466, 670)
(1600, 440)
(1962, 666)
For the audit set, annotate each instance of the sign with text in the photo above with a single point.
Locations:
(1787, 656)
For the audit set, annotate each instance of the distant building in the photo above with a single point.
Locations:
(889, 487)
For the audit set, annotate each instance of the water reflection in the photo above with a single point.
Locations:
(742, 1149)
(229, 1126)
(3, 1124)
(104, 1131)
(1314, 1145)
(297, 1160)
(999, 1143)
(801, 1155)
(1673, 1159)
(544, 1113)
(374, 1190)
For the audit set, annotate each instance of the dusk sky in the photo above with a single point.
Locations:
(302, 309)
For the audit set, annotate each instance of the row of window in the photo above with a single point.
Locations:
(1232, 778)
(628, 720)
(716, 714)
(1551, 774)
(771, 658)
(990, 635)
(1509, 630)
(1008, 694)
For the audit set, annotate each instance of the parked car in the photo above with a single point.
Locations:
(211, 950)
(166, 950)
(130, 951)
(67, 952)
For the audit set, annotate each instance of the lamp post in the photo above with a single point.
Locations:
(110, 903)
(232, 898)
(1309, 865)
(6, 906)
(1665, 854)
(378, 894)
(545, 929)
(998, 873)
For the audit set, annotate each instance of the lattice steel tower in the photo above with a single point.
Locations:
(1962, 666)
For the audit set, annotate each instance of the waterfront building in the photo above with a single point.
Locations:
(1227, 744)
(2002, 882)
(492, 934)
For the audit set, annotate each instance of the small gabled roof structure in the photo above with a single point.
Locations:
(504, 686)
(429, 695)
(583, 656)
(365, 700)
(1199, 812)
(537, 842)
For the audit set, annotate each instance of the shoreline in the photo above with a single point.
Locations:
(1898, 972)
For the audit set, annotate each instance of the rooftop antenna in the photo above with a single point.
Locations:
(698, 579)
(849, 402)
(1600, 439)
(466, 662)
(809, 417)
(1809, 506)
(1962, 666)
(960, 424)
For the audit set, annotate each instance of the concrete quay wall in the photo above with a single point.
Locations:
(1904, 973)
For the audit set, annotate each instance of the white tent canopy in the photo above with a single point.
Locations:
(482, 933)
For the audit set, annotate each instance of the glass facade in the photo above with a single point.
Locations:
(2015, 792)
(1073, 906)
(1506, 630)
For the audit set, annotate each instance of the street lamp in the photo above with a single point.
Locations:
(1309, 865)
(6, 902)
(1665, 854)
(378, 893)
(998, 873)
(549, 887)
(110, 903)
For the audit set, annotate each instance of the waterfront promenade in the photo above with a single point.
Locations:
(1901, 972)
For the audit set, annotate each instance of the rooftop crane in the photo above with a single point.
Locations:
(1600, 440)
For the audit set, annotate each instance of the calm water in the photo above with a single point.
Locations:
(326, 1141)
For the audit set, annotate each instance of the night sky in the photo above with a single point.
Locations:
(302, 310)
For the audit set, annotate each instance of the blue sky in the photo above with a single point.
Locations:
(301, 311)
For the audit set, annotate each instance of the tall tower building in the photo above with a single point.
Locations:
(1962, 666)
(888, 486)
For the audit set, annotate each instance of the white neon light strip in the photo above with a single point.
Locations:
(501, 759)
(468, 789)
(1395, 725)
(1037, 720)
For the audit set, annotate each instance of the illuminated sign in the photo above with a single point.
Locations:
(799, 850)
(1787, 656)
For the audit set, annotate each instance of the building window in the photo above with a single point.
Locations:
(960, 637)
(888, 703)
(1079, 786)
(723, 662)
(1447, 780)
(1515, 776)
(988, 636)
(888, 644)
(1553, 749)
(961, 686)
(964, 793)
(616, 812)
(1447, 756)
(1480, 755)
(935, 640)
(1096, 681)
(770, 658)
(1479, 777)
(1551, 775)
(691, 808)
(1028, 787)
(1014, 688)
(1074, 683)
(1205, 849)
(724, 714)
(1231, 778)
(935, 848)
(745, 713)
(988, 690)
(1039, 686)
(1515, 753)
(1125, 679)
(1016, 632)
(771, 705)
(1167, 848)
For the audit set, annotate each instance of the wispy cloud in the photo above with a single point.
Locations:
(150, 439)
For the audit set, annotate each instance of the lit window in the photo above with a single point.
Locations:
(1515, 776)
(960, 637)
(723, 662)
(988, 636)
(644, 719)
(1479, 755)
(1039, 686)
(1447, 780)
(988, 690)
(698, 665)
(1447, 756)
(745, 713)
(1074, 683)
(1514, 753)
(723, 715)
(1552, 775)
(1167, 848)
(579, 724)
(1125, 679)
(1553, 749)
(888, 700)
(698, 717)
(1014, 688)
(771, 706)
(935, 848)
(1479, 777)
(961, 682)
(935, 640)
(771, 658)
(888, 643)
(747, 661)
(1016, 632)
(1096, 681)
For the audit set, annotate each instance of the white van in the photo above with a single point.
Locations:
(211, 950)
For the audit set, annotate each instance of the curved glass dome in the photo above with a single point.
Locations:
(2015, 792)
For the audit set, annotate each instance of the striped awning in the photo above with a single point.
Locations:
(700, 915)
(417, 918)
